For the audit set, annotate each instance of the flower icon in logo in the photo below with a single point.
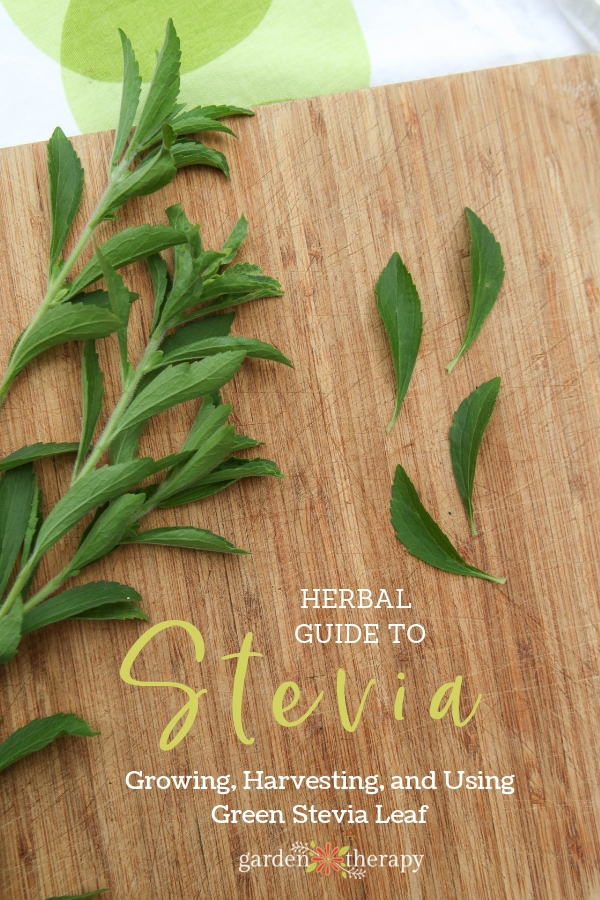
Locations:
(327, 860)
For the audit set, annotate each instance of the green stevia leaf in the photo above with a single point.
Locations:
(38, 733)
(59, 324)
(108, 530)
(154, 172)
(93, 394)
(193, 153)
(185, 536)
(178, 219)
(422, 536)
(213, 450)
(227, 303)
(128, 246)
(97, 487)
(220, 112)
(121, 299)
(470, 421)
(10, 632)
(130, 98)
(222, 477)
(92, 298)
(235, 240)
(211, 327)
(80, 896)
(17, 494)
(245, 443)
(125, 446)
(164, 89)
(117, 611)
(252, 347)
(400, 309)
(66, 186)
(33, 528)
(236, 281)
(181, 382)
(192, 122)
(209, 419)
(487, 275)
(32, 452)
(79, 602)
(160, 284)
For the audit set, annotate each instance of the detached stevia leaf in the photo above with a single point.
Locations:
(470, 421)
(121, 299)
(66, 186)
(198, 349)
(182, 382)
(80, 896)
(185, 536)
(130, 98)
(487, 275)
(126, 247)
(38, 733)
(79, 602)
(17, 494)
(10, 631)
(400, 309)
(32, 452)
(422, 536)
(191, 121)
(97, 487)
(59, 324)
(222, 477)
(93, 394)
(164, 89)
(108, 530)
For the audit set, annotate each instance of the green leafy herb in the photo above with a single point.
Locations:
(197, 349)
(400, 309)
(422, 536)
(80, 896)
(185, 536)
(17, 491)
(35, 451)
(38, 733)
(80, 602)
(66, 187)
(93, 393)
(130, 99)
(487, 275)
(10, 631)
(470, 421)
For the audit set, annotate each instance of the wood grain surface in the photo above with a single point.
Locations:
(331, 187)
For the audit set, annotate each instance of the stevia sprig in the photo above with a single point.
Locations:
(190, 354)
(143, 161)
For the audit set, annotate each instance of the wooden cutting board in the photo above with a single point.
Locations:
(331, 187)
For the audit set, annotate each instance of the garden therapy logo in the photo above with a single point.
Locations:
(327, 860)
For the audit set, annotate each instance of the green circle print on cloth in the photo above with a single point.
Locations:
(243, 52)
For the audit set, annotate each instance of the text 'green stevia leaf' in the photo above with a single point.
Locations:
(126, 247)
(186, 537)
(66, 186)
(422, 536)
(400, 309)
(32, 452)
(487, 275)
(59, 324)
(38, 733)
(79, 602)
(470, 421)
